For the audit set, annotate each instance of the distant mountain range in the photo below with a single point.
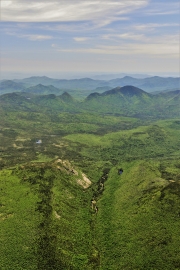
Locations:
(148, 84)
(112, 76)
(41, 89)
(85, 86)
(125, 101)
(84, 83)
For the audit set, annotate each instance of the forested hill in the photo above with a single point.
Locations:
(126, 101)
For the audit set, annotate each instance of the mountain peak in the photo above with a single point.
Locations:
(66, 97)
(112, 91)
(127, 77)
(127, 90)
(132, 90)
(93, 95)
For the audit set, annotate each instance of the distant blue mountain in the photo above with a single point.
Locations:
(45, 85)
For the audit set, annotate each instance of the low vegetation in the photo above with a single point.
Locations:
(63, 202)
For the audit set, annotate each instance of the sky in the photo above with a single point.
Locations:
(50, 37)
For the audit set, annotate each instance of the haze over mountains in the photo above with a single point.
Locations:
(86, 86)
(143, 97)
(108, 76)
(126, 101)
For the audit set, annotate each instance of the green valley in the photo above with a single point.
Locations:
(64, 204)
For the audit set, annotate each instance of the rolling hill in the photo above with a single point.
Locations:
(126, 101)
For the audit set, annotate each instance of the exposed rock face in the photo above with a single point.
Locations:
(84, 182)
(65, 165)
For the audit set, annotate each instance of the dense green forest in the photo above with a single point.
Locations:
(63, 202)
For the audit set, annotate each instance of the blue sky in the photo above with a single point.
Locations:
(131, 36)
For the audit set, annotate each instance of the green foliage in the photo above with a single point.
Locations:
(18, 220)
(138, 219)
(125, 101)
(41, 201)
(48, 220)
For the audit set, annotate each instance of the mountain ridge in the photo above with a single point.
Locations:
(149, 84)
(127, 100)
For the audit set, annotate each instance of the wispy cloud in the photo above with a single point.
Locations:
(99, 11)
(32, 37)
(124, 36)
(164, 8)
(152, 26)
(164, 46)
(129, 49)
(36, 37)
(81, 39)
(144, 32)
(104, 31)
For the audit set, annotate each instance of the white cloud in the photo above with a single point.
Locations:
(99, 11)
(81, 39)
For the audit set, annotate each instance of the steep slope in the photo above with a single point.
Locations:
(138, 220)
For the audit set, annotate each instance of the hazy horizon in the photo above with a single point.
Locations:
(79, 75)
